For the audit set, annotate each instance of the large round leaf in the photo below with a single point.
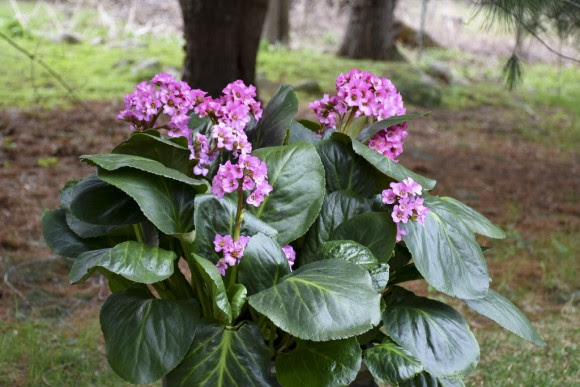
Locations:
(299, 132)
(337, 208)
(389, 363)
(145, 337)
(215, 289)
(447, 255)
(115, 161)
(425, 379)
(345, 170)
(60, 238)
(167, 203)
(221, 357)
(502, 311)
(263, 265)
(476, 222)
(322, 301)
(432, 332)
(316, 364)
(349, 251)
(272, 128)
(389, 167)
(132, 260)
(375, 230)
(217, 216)
(297, 178)
(98, 202)
(152, 146)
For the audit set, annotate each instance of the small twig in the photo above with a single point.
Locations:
(72, 94)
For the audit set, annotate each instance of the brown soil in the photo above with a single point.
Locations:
(490, 168)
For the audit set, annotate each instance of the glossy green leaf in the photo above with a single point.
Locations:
(372, 129)
(447, 255)
(322, 301)
(338, 207)
(217, 216)
(345, 170)
(115, 161)
(476, 222)
(424, 379)
(297, 178)
(320, 364)
(390, 168)
(132, 260)
(404, 274)
(167, 203)
(375, 230)
(299, 132)
(380, 277)
(238, 295)
(88, 230)
(349, 251)
(502, 311)
(222, 357)
(98, 202)
(145, 338)
(432, 332)
(264, 264)
(214, 289)
(272, 127)
(152, 146)
(60, 238)
(389, 363)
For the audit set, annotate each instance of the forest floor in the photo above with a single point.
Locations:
(513, 156)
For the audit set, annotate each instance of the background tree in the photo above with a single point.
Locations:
(371, 32)
(277, 26)
(221, 41)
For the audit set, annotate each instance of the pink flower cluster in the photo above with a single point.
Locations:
(233, 251)
(290, 255)
(163, 95)
(230, 113)
(249, 174)
(389, 142)
(363, 93)
(359, 94)
(408, 207)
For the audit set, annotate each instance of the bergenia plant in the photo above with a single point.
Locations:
(243, 247)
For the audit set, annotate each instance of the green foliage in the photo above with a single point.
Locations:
(146, 337)
(142, 213)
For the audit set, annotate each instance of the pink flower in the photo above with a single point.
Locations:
(290, 255)
(408, 205)
(233, 251)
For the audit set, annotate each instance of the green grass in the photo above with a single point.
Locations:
(506, 360)
(45, 352)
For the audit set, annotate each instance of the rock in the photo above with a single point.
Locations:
(129, 43)
(441, 71)
(423, 92)
(123, 62)
(146, 67)
(308, 86)
(97, 41)
(66, 37)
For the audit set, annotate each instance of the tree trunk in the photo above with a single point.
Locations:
(277, 27)
(221, 41)
(370, 33)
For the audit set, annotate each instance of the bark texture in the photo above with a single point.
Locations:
(277, 26)
(221, 41)
(371, 31)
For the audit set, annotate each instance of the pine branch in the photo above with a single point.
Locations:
(71, 93)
